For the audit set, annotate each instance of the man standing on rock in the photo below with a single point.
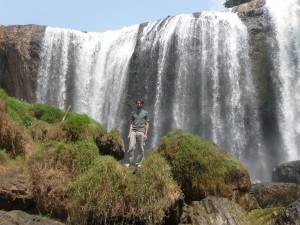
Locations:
(138, 132)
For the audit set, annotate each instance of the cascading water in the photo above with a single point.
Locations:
(286, 18)
(86, 70)
(193, 72)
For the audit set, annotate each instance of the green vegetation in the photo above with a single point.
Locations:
(265, 216)
(110, 193)
(47, 113)
(231, 3)
(18, 109)
(201, 167)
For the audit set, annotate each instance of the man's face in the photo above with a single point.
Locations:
(139, 104)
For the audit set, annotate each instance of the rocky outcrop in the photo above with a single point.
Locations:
(214, 211)
(249, 7)
(15, 193)
(269, 195)
(18, 217)
(291, 215)
(287, 172)
(19, 59)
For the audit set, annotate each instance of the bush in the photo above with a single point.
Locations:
(201, 167)
(109, 193)
(46, 113)
(80, 126)
(53, 169)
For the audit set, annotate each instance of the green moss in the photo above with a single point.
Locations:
(110, 193)
(265, 216)
(200, 166)
(80, 126)
(47, 113)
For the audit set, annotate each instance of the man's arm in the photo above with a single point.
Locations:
(146, 132)
(130, 129)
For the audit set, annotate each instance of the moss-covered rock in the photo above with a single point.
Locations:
(110, 193)
(265, 216)
(270, 195)
(111, 143)
(202, 168)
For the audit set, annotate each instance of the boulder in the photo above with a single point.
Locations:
(203, 169)
(214, 211)
(245, 8)
(291, 215)
(269, 195)
(287, 172)
(15, 192)
(17, 217)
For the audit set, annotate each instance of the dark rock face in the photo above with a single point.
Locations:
(15, 192)
(18, 217)
(287, 172)
(269, 195)
(19, 59)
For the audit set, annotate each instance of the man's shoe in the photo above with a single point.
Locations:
(127, 165)
(138, 165)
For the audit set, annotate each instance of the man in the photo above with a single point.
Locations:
(138, 133)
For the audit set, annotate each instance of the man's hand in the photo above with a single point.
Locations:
(145, 137)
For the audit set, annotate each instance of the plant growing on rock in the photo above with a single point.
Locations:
(201, 167)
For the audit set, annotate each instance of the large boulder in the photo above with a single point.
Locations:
(291, 215)
(203, 169)
(214, 211)
(287, 172)
(17, 217)
(269, 195)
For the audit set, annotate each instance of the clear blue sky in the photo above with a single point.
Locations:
(97, 15)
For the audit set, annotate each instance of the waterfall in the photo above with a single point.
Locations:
(86, 70)
(286, 18)
(193, 71)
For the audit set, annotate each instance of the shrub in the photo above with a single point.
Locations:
(4, 157)
(80, 126)
(201, 167)
(101, 195)
(111, 143)
(109, 193)
(47, 113)
(53, 169)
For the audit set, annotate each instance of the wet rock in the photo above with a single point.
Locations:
(291, 215)
(214, 211)
(287, 172)
(17, 217)
(270, 195)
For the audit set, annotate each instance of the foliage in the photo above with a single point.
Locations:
(110, 193)
(265, 216)
(201, 167)
(16, 165)
(3, 94)
(18, 109)
(47, 113)
(80, 126)
(53, 169)
(231, 3)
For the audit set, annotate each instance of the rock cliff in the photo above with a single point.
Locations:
(19, 59)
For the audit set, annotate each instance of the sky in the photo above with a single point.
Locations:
(98, 15)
